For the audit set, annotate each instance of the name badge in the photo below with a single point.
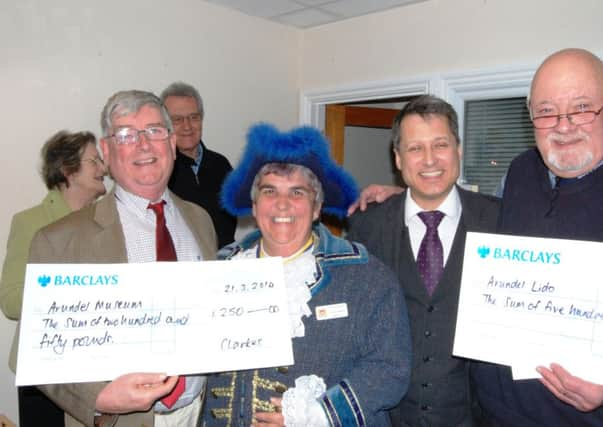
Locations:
(332, 311)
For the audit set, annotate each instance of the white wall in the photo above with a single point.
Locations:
(446, 36)
(61, 60)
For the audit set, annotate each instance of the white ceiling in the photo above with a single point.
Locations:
(310, 13)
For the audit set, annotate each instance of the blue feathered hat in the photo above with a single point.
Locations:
(304, 146)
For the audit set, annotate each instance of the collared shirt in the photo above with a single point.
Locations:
(552, 178)
(452, 209)
(138, 224)
(197, 163)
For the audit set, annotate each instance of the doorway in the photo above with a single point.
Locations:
(360, 142)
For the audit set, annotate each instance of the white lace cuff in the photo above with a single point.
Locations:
(300, 405)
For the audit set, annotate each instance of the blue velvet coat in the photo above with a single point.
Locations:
(363, 358)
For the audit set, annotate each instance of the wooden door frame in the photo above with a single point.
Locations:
(338, 116)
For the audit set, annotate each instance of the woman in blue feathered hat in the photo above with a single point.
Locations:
(348, 319)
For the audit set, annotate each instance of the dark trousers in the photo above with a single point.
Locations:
(35, 409)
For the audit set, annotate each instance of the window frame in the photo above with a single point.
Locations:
(454, 87)
(506, 83)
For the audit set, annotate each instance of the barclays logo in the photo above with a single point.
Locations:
(520, 255)
(44, 280)
(78, 280)
(483, 251)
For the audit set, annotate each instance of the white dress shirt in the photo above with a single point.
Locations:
(452, 209)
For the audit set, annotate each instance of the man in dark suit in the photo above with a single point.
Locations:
(139, 148)
(427, 256)
(198, 171)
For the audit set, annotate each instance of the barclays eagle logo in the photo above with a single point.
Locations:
(44, 280)
(483, 251)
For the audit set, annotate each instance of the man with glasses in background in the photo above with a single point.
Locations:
(554, 190)
(198, 171)
(139, 149)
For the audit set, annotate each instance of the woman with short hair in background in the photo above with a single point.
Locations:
(73, 172)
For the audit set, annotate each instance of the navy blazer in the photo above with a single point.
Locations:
(439, 393)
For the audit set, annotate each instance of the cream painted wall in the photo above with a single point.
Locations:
(61, 60)
(446, 36)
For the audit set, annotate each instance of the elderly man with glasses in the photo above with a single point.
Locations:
(139, 148)
(554, 190)
(198, 171)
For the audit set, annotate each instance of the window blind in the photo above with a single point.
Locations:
(496, 130)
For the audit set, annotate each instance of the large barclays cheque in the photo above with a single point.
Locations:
(528, 302)
(94, 322)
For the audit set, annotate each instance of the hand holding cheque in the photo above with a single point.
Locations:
(137, 391)
(78, 316)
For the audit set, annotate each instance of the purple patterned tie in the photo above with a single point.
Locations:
(430, 259)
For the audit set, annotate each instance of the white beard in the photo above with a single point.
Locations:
(573, 163)
(569, 160)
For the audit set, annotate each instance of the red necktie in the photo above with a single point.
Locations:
(163, 241)
(166, 252)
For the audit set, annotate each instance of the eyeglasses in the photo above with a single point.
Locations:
(193, 118)
(96, 160)
(578, 118)
(129, 136)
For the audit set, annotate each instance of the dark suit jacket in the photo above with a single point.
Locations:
(95, 235)
(439, 393)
